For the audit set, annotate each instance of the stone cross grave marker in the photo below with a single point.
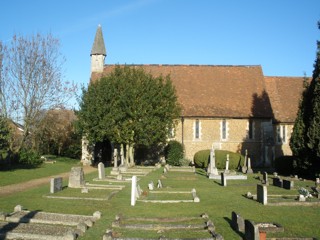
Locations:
(76, 177)
(101, 171)
(55, 184)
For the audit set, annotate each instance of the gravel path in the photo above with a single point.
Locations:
(19, 187)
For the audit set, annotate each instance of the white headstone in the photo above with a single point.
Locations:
(101, 171)
(227, 164)
(133, 190)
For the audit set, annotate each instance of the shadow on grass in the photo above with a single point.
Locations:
(13, 167)
(230, 224)
(10, 226)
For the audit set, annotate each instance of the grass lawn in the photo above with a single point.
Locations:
(217, 201)
(17, 175)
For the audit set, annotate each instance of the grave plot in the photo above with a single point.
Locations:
(84, 194)
(169, 196)
(22, 224)
(168, 228)
(275, 196)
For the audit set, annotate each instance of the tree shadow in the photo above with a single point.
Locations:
(230, 224)
(10, 226)
(260, 142)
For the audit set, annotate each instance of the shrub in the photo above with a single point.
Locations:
(30, 158)
(174, 153)
(201, 159)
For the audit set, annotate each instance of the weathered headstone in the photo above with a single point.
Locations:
(237, 222)
(265, 178)
(101, 171)
(277, 181)
(213, 169)
(151, 186)
(244, 167)
(227, 165)
(251, 230)
(55, 184)
(159, 184)
(194, 195)
(223, 180)
(287, 184)
(133, 190)
(249, 170)
(76, 177)
(262, 194)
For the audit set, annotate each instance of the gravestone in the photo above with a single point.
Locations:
(223, 180)
(55, 184)
(213, 169)
(76, 177)
(151, 186)
(277, 181)
(262, 194)
(194, 195)
(237, 222)
(317, 183)
(159, 184)
(287, 184)
(251, 230)
(133, 190)
(227, 165)
(265, 178)
(101, 171)
(249, 170)
(244, 167)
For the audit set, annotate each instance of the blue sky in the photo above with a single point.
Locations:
(279, 35)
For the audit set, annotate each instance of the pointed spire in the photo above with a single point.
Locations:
(98, 47)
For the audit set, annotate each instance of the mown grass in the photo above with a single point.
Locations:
(217, 201)
(22, 174)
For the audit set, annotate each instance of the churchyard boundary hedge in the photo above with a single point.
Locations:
(201, 159)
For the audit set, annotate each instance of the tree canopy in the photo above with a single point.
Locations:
(129, 107)
(305, 140)
(31, 79)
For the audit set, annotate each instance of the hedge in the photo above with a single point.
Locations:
(236, 160)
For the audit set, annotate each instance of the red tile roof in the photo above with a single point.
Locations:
(285, 94)
(214, 91)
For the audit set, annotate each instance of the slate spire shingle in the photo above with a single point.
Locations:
(98, 47)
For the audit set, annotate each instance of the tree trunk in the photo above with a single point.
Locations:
(131, 154)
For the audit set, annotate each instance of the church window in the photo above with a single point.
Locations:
(281, 133)
(197, 129)
(224, 129)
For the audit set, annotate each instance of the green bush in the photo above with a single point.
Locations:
(174, 153)
(30, 158)
(201, 159)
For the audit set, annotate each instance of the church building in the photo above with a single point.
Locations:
(229, 107)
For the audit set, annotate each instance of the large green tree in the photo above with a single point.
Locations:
(129, 107)
(305, 140)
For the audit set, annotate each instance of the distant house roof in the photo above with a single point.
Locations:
(214, 90)
(285, 94)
